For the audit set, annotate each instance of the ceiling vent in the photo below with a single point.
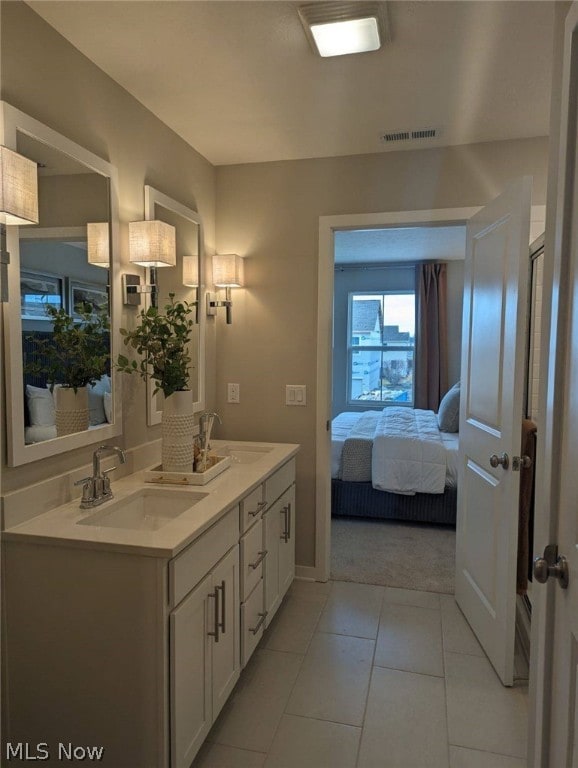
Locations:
(415, 134)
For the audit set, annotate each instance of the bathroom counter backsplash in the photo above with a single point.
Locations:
(68, 525)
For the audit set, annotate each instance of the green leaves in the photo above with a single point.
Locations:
(161, 341)
(77, 352)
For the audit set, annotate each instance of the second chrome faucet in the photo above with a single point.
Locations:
(96, 489)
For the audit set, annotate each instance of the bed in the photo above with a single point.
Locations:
(394, 464)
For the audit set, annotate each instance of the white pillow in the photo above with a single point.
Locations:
(449, 410)
(107, 403)
(96, 400)
(40, 406)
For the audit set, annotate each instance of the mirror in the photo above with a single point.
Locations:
(189, 269)
(51, 271)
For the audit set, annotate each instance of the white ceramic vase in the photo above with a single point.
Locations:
(177, 432)
(71, 410)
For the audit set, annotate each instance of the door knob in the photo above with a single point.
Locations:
(503, 460)
(551, 564)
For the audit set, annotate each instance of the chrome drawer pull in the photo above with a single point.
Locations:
(262, 617)
(260, 507)
(259, 560)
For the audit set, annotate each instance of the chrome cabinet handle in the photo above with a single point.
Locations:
(259, 560)
(215, 596)
(286, 535)
(223, 607)
(503, 460)
(257, 627)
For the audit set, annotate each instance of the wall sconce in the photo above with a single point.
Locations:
(151, 244)
(227, 273)
(18, 202)
(98, 240)
(191, 280)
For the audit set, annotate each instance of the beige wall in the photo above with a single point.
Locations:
(269, 212)
(46, 77)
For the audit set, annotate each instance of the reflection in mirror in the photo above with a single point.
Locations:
(184, 281)
(60, 315)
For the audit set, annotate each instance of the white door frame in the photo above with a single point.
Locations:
(327, 226)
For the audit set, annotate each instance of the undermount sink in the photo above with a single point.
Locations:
(244, 454)
(147, 509)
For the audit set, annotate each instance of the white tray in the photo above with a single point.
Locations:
(158, 475)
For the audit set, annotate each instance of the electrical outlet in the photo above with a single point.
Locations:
(233, 393)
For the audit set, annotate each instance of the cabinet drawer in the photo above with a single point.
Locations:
(279, 481)
(252, 622)
(251, 507)
(252, 556)
(188, 568)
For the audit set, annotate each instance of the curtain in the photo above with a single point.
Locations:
(431, 354)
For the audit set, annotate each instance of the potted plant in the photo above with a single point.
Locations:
(75, 355)
(161, 340)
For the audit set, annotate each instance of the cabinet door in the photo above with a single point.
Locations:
(190, 670)
(287, 541)
(226, 649)
(271, 535)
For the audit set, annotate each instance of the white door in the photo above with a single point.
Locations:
(554, 714)
(493, 371)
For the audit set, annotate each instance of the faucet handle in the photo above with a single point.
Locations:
(87, 488)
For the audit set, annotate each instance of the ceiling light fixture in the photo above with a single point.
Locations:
(341, 28)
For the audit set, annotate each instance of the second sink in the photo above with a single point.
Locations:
(243, 454)
(147, 509)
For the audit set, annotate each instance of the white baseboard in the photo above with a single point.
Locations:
(308, 573)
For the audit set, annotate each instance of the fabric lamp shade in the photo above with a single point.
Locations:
(228, 271)
(18, 189)
(191, 271)
(97, 236)
(152, 244)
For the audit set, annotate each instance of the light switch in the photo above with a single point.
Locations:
(295, 394)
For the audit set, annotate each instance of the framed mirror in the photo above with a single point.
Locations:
(65, 264)
(186, 281)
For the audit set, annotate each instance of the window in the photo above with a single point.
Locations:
(381, 347)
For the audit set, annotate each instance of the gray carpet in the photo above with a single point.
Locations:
(393, 554)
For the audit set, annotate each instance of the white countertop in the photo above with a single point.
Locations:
(60, 526)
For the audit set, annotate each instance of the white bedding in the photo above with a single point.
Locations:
(408, 453)
(341, 427)
(343, 424)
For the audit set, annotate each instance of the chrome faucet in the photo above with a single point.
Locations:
(96, 489)
(206, 420)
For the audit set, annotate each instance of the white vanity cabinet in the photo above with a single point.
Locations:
(279, 530)
(267, 553)
(204, 657)
(131, 640)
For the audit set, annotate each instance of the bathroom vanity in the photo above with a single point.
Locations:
(127, 625)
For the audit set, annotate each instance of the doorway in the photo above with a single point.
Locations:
(374, 348)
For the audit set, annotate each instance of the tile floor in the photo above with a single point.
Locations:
(359, 676)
